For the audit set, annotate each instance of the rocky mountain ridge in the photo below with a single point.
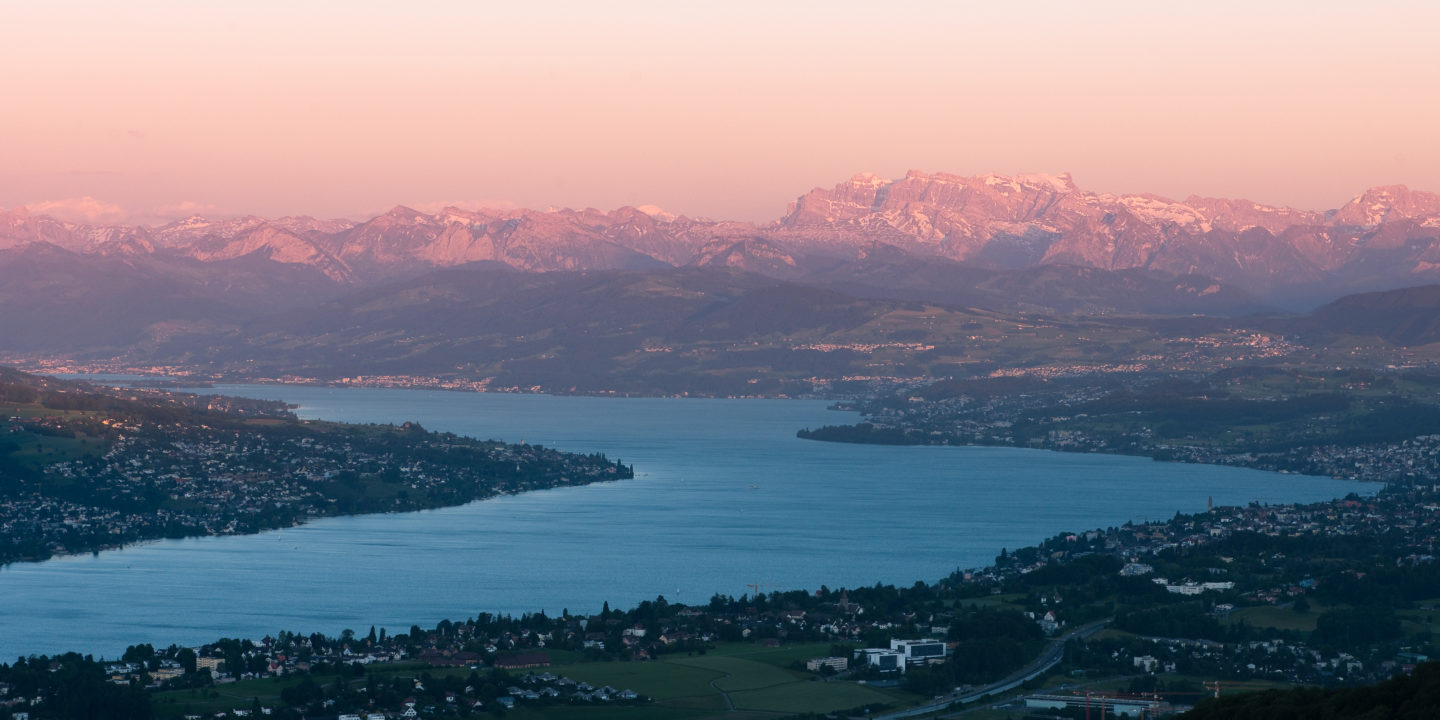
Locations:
(1384, 238)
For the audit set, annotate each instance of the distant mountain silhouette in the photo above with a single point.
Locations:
(1386, 237)
(1408, 317)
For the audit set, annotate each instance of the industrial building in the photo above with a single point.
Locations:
(920, 651)
(1102, 705)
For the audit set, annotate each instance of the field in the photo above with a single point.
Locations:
(36, 410)
(1423, 619)
(757, 680)
(34, 451)
(220, 698)
(1279, 618)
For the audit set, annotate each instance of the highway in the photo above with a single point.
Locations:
(1046, 660)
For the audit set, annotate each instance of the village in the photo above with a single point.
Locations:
(1343, 426)
(103, 479)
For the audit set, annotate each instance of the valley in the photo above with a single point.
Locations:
(870, 286)
(723, 333)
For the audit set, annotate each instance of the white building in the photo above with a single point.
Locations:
(882, 659)
(838, 664)
(1190, 587)
(920, 651)
(1136, 569)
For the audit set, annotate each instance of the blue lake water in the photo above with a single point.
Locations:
(725, 495)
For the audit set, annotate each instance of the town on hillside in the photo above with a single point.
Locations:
(85, 468)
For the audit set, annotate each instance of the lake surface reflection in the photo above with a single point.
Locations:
(725, 496)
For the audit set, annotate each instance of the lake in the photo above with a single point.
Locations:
(724, 496)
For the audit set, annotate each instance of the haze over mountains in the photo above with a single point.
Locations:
(1386, 237)
(590, 292)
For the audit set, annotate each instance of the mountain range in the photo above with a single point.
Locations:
(925, 275)
(961, 231)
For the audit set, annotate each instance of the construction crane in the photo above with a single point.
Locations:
(755, 588)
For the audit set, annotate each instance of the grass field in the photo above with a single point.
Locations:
(662, 680)
(1227, 687)
(39, 450)
(781, 656)
(758, 679)
(9, 410)
(1420, 621)
(652, 712)
(178, 703)
(1280, 618)
(1110, 633)
(685, 687)
(809, 696)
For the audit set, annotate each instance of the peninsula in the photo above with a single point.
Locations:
(85, 468)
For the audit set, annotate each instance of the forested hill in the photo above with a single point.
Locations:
(84, 468)
(1406, 697)
(1408, 317)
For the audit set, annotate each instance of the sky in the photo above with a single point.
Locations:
(153, 109)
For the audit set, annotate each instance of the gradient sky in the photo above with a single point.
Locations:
(154, 108)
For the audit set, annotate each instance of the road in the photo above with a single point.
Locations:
(1046, 660)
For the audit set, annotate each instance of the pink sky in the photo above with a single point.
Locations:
(154, 108)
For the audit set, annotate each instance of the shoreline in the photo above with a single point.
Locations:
(958, 570)
(1382, 483)
(962, 576)
(186, 378)
(111, 547)
(957, 556)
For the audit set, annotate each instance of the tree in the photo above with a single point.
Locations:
(186, 658)
(143, 653)
(1347, 628)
